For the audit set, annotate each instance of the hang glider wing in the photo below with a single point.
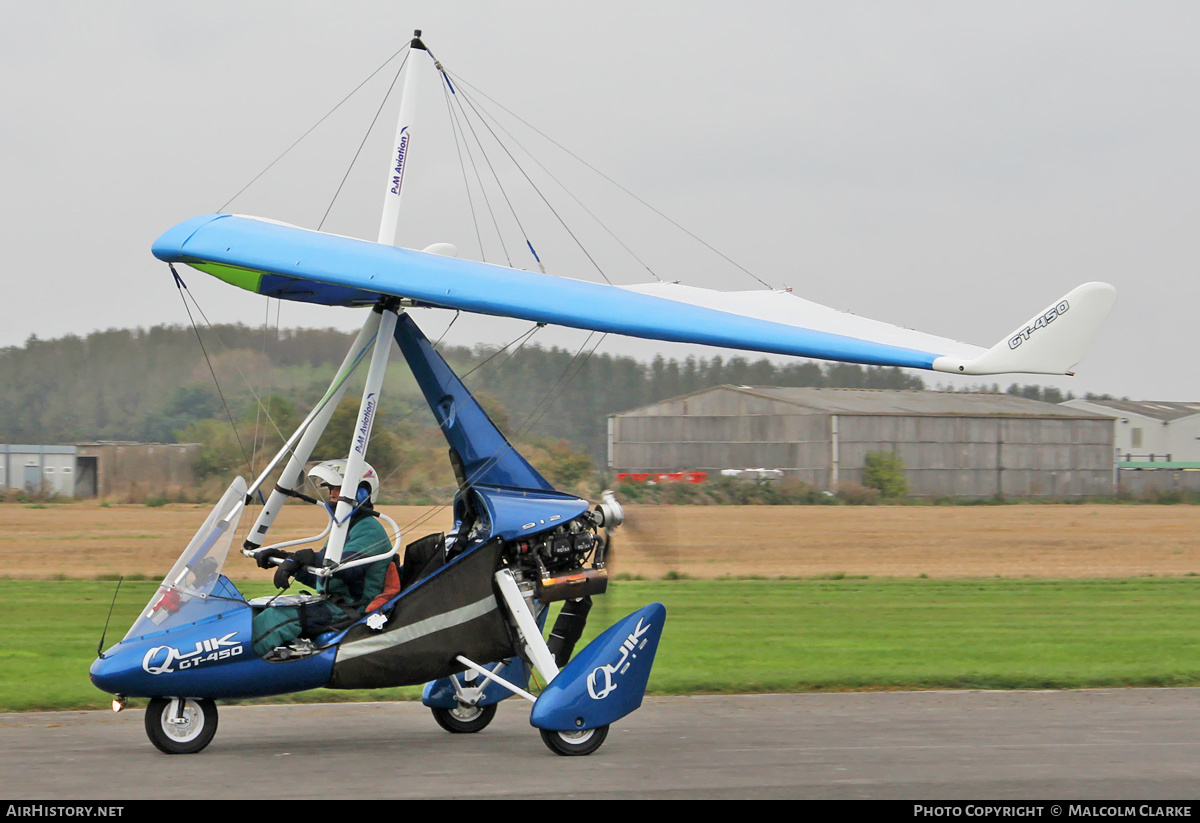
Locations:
(284, 261)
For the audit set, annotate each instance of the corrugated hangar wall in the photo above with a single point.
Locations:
(981, 457)
(951, 444)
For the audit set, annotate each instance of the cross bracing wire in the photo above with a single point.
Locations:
(464, 84)
(312, 128)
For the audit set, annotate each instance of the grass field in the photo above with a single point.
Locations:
(747, 635)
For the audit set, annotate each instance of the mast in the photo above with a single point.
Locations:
(388, 309)
(402, 144)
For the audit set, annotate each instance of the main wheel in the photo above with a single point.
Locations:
(464, 719)
(181, 726)
(575, 743)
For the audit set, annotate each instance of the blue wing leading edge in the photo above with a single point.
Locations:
(288, 262)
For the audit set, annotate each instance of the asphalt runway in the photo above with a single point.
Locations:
(1119, 744)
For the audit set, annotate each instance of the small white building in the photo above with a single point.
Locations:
(130, 471)
(38, 470)
(1150, 431)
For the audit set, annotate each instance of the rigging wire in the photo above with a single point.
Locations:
(311, 128)
(700, 240)
(553, 211)
(249, 387)
(182, 287)
(528, 335)
(530, 423)
(449, 93)
(446, 330)
(456, 123)
(495, 176)
(370, 128)
(454, 129)
(257, 409)
(568, 192)
(269, 390)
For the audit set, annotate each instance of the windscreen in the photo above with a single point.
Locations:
(194, 587)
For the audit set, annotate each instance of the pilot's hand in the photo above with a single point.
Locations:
(263, 558)
(284, 573)
(305, 557)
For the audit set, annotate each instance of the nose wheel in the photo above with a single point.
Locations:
(577, 743)
(180, 725)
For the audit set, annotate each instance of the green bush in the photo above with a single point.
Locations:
(884, 471)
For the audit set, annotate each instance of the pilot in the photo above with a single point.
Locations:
(346, 592)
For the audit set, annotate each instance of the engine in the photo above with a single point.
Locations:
(563, 549)
(567, 562)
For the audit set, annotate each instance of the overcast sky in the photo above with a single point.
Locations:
(949, 166)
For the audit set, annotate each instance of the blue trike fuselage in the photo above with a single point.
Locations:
(210, 657)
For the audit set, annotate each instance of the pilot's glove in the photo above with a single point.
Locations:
(305, 557)
(284, 572)
(264, 557)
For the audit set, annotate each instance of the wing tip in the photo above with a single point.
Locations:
(1051, 342)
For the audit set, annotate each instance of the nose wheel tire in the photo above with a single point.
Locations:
(464, 719)
(575, 743)
(180, 726)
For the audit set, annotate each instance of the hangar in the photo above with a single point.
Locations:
(952, 443)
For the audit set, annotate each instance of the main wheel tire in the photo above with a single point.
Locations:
(464, 719)
(181, 732)
(574, 743)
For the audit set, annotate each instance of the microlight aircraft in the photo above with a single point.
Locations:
(469, 622)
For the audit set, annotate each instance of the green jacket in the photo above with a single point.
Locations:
(355, 587)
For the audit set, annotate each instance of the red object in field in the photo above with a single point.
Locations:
(663, 477)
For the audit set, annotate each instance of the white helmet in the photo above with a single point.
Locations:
(333, 473)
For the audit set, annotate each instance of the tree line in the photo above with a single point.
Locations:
(239, 391)
(153, 385)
